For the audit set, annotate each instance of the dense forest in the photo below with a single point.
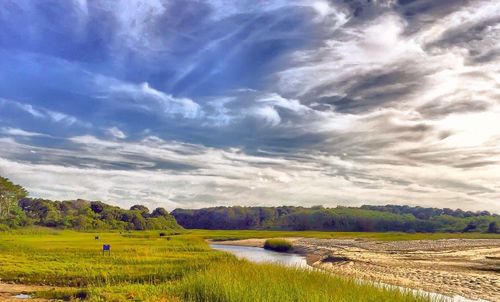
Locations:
(16, 210)
(364, 219)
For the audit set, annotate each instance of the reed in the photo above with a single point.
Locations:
(179, 267)
(278, 245)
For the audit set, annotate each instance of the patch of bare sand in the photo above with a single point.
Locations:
(469, 268)
(8, 291)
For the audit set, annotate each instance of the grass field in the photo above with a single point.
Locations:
(146, 267)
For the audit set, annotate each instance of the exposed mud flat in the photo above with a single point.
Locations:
(465, 267)
(20, 292)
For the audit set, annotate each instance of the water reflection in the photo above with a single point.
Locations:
(257, 254)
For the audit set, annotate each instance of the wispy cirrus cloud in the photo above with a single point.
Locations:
(43, 113)
(147, 97)
(19, 132)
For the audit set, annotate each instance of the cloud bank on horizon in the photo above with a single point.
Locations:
(181, 103)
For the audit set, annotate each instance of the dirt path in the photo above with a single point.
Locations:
(465, 267)
(9, 291)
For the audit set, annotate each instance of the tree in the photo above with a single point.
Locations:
(138, 222)
(493, 227)
(470, 227)
(10, 193)
(97, 206)
(158, 212)
(142, 209)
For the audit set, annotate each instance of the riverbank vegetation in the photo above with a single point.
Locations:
(278, 245)
(142, 266)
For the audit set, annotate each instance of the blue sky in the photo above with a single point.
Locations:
(205, 103)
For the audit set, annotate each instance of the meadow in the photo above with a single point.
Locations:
(143, 266)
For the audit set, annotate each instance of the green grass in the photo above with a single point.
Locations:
(386, 236)
(279, 245)
(246, 282)
(146, 267)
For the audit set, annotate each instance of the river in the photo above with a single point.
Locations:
(260, 255)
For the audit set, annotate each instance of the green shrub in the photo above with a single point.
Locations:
(4, 227)
(279, 245)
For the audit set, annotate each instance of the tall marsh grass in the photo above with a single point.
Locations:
(241, 281)
(148, 267)
(278, 245)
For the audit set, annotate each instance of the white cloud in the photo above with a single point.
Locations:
(44, 113)
(233, 177)
(19, 132)
(135, 20)
(28, 108)
(267, 114)
(116, 133)
(277, 100)
(149, 98)
(353, 51)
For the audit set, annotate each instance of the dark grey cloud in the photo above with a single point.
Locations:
(437, 109)
(375, 89)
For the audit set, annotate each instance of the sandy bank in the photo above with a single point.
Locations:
(465, 267)
(8, 291)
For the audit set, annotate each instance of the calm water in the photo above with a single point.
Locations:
(257, 254)
(22, 296)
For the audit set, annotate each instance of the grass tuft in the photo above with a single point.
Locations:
(278, 245)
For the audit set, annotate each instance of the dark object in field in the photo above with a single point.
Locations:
(106, 248)
(278, 245)
(162, 234)
(82, 295)
(96, 238)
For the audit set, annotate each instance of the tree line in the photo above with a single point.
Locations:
(16, 210)
(363, 219)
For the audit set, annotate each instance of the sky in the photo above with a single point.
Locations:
(200, 103)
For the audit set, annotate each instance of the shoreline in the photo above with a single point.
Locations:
(9, 291)
(469, 268)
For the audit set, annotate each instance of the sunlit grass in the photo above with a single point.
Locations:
(279, 245)
(143, 266)
(246, 282)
